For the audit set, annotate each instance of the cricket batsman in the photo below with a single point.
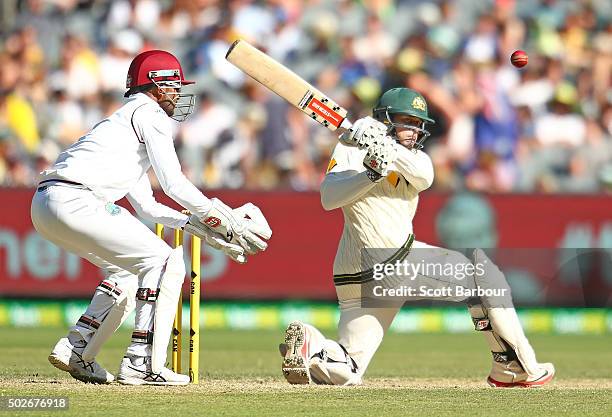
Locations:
(74, 207)
(375, 176)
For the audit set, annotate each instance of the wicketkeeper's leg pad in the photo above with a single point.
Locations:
(165, 307)
(114, 305)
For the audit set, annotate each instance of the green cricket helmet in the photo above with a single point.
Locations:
(403, 101)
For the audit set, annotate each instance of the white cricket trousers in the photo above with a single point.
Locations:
(111, 238)
(361, 329)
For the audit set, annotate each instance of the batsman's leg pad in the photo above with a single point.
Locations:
(506, 366)
(507, 326)
(165, 307)
(334, 366)
(118, 302)
(497, 317)
(327, 361)
(491, 278)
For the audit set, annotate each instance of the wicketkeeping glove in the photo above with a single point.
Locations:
(214, 239)
(255, 223)
(378, 159)
(235, 227)
(364, 133)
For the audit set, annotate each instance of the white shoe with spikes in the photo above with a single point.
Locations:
(67, 357)
(136, 370)
(296, 355)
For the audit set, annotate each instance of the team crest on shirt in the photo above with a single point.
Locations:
(419, 104)
(112, 209)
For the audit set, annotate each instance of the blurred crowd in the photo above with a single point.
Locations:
(544, 128)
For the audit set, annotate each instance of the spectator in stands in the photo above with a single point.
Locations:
(501, 129)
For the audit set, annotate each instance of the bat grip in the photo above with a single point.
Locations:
(346, 124)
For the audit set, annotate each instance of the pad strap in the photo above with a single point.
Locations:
(88, 322)
(482, 324)
(144, 337)
(147, 294)
(109, 288)
(504, 357)
(347, 358)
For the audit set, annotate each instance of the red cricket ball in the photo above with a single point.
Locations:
(519, 58)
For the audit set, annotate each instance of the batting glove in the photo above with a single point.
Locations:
(364, 133)
(378, 159)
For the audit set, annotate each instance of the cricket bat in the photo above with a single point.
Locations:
(288, 85)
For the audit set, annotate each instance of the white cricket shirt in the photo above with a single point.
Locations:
(113, 158)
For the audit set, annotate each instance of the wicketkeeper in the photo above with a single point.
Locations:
(375, 176)
(74, 207)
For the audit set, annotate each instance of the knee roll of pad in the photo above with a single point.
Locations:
(492, 281)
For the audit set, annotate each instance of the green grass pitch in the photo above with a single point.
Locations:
(413, 374)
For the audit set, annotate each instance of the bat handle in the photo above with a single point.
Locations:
(346, 124)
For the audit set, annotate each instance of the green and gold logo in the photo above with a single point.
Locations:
(419, 104)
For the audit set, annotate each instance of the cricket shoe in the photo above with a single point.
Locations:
(296, 354)
(507, 379)
(136, 370)
(67, 357)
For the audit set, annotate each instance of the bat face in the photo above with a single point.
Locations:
(288, 85)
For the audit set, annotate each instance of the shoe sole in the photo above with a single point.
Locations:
(59, 364)
(294, 364)
(543, 380)
(138, 381)
(89, 379)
